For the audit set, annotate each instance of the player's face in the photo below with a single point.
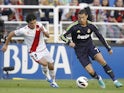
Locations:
(82, 18)
(32, 24)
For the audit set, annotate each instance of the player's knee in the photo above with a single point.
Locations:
(51, 66)
(43, 63)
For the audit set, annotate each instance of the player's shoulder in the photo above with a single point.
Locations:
(24, 28)
(72, 25)
(91, 24)
(21, 30)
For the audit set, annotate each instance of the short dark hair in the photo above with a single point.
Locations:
(83, 11)
(30, 17)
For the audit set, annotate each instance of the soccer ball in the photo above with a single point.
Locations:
(82, 82)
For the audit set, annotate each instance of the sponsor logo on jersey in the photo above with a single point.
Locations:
(83, 36)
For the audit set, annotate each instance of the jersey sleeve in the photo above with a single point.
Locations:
(42, 26)
(64, 36)
(19, 32)
(96, 31)
(69, 30)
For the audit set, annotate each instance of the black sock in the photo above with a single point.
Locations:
(109, 71)
(94, 75)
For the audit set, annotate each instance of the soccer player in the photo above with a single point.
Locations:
(84, 47)
(34, 33)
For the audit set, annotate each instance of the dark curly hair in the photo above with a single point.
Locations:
(30, 17)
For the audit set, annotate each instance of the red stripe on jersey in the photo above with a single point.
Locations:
(36, 40)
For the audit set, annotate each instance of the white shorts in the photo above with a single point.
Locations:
(40, 54)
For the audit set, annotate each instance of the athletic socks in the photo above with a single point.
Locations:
(52, 74)
(46, 72)
(94, 76)
(109, 71)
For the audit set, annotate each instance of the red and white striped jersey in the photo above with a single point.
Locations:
(33, 38)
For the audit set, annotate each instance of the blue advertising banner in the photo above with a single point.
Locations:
(67, 65)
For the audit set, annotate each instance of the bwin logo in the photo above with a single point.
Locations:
(83, 36)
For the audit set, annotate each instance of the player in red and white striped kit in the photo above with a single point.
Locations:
(33, 34)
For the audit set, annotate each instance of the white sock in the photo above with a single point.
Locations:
(45, 71)
(52, 74)
(115, 81)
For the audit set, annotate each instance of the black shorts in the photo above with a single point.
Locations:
(83, 54)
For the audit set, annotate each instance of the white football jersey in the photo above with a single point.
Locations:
(29, 36)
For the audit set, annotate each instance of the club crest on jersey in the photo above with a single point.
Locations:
(88, 31)
(78, 31)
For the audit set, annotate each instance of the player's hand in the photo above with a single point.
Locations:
(71, 44)
(41, 29)
(111, 51)
(4, 48)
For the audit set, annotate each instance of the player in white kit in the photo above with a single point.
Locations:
(33, 34)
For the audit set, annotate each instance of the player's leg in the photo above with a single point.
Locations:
(99, 58)
(83, 56)
(92, 51)
(43, 59)
(52, 74)
(91, 71)
(39, 58)
(51, 70)
(50, 64)
(45, 69)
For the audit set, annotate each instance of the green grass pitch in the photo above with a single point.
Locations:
(66, 86)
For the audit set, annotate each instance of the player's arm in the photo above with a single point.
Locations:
(104, 42)
(11, 34)
(45, 32)
(65, 39)
(68, 31)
